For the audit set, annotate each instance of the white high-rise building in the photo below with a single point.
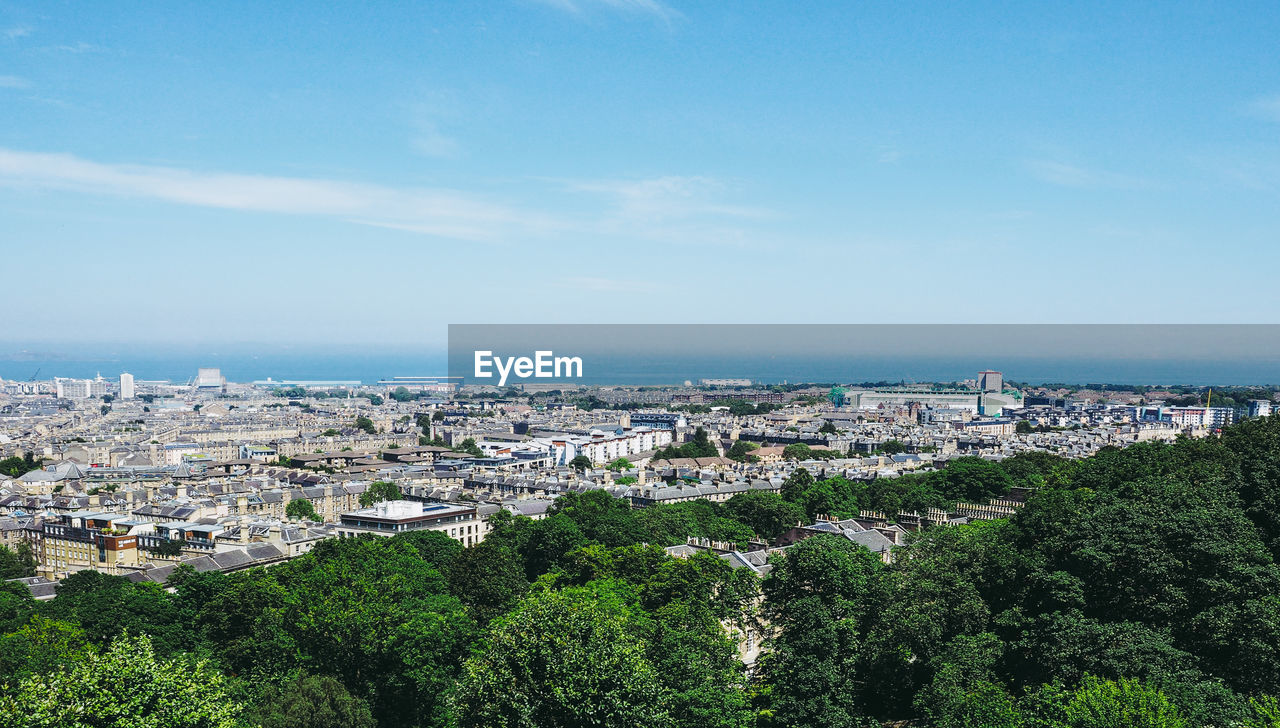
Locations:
(209, 377)
(73, 388)
(126, 386)
(98, 386)
(990, 381)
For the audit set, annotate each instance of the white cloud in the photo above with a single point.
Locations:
(445, 213)
(652, 8)
(1266, 107)
(13, 82)
(1070, 175)
(666, 198)
(19, 31)
(79, 47)
(677, 210)
(429, 140)
(671, 209)
(611, 285)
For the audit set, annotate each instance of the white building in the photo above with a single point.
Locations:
(1000, 428)
(389, 518)
(209, 378)
(604, 447)
(126, 386)
(892, 398)
(1200, 416)
(73, 388)
(99, 386)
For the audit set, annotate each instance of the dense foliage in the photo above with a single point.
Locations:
(698, 447)
(1138, 587)
(16, 466)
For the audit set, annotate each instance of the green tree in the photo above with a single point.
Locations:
(893, 447)
(1265, 712)
(301, 509)
(124, 686)
(965, 691)
(310, 701)
(365, 425)
(39, 647)
(546, 544)
(373, 613)
(379, 491)
(765, 513)
(470, 447)
(170, 547)
(18, 563)
(561, 660)
(816, 600)
(740, 450)
(106, 606)
(16, 605)
(699, 447)
(1123, 702)
(580, 463)
(489, 578)
(16, 467)
(796, 484)
(620, 464)
(435, 547)
(973, 479)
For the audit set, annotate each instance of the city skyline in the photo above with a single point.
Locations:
(241, 175)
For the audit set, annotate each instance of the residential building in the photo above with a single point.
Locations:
(390, 518)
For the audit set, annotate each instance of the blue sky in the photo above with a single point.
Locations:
(184, 172)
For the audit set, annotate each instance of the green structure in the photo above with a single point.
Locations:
(836, 396)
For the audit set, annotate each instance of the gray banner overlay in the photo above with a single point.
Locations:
(661, 354)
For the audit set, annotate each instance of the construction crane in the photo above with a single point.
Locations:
(33, 376)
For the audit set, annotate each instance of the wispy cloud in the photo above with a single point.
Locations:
(18, 31)
(667, 198)
(1259, 171)
(1070, 175)
(429, 140)
(651, 8)
(80, 47)
(672, 209)
(1266, 107)
(445, 213)
(13, 82)
(434, 112)
(611, 285)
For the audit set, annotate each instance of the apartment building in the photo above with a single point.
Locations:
(389, 518)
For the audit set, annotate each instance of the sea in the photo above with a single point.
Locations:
(371, 364)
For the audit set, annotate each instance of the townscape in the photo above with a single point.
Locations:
(159, 487)
(135, 478)
(639, 364)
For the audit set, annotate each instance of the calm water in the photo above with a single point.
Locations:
(372, 364)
